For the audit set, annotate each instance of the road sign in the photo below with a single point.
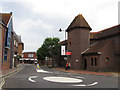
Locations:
(62, 50)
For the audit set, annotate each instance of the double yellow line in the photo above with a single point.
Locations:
(2, 83)
(8, 75)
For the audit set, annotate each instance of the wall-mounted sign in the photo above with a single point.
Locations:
(68, 53)
(62, 50)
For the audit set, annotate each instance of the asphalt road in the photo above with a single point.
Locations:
(29, 77)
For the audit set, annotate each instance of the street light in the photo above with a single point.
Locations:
(60, 30)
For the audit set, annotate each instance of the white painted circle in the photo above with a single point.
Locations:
(63, 79)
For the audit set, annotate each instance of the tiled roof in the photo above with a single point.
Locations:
(98, 46)
(78, 21)
(106, 32)
(5, 17)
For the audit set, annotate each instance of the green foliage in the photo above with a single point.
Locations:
(49, 48)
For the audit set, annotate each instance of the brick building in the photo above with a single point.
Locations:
(96, 51)
(29, 57)
(8, 49)
(20, 46)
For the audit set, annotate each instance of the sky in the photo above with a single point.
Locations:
(36, 20)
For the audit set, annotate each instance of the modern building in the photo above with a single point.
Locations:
(29, 57)
(8, 49)
(96, 51)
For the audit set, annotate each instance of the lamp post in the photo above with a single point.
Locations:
(60, 30)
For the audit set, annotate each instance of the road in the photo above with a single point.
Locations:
(29, 77)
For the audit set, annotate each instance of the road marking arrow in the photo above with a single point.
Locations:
(86, 85)
(30, 78)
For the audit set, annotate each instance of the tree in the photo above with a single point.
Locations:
(50, 48)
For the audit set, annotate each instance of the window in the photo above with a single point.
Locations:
(107, 59)
(95, 61)
(14, 42)
(70, 43)
(92, 61)
(30, 55)
(5, 56)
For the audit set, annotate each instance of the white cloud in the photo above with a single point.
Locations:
(33, 32)
(43, 18)
(12, 0)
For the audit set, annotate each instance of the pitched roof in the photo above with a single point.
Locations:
(79, 22)
(5, 17)
(106, 32)
(97, 47)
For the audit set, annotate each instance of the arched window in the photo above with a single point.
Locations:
(70, 43)
(92, 61)
(95, 61)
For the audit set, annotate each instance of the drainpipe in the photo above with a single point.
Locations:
(11, 57)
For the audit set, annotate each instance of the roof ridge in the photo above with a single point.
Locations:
(79, 22)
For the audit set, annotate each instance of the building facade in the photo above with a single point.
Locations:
(96, 51)
(103, 54)
(8, 35)
(29, 57)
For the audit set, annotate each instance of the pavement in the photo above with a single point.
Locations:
(6, 72)
(88, 72)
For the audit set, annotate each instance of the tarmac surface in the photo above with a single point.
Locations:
(28, 76)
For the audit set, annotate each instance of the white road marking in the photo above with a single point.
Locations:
(2, 83)
(86, 85)
(78, 77)
(43, 71)
(30, 78)
(62, 79)
(92, 84)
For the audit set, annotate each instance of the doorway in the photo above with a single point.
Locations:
(85, 64)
